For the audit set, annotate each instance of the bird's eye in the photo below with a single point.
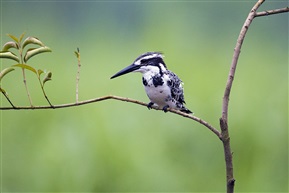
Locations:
(143, 61)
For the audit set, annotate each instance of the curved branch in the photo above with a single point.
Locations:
(206, 124)
(224, 119)
(237, 51)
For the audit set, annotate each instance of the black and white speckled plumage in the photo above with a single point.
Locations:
(163, 87)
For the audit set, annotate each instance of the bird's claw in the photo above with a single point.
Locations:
(165, 108)
(150, 105)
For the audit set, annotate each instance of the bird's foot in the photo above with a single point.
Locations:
(165, 108)
(150, 105)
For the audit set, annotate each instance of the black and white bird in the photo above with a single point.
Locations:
(163, 87)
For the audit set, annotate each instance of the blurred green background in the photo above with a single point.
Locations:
(116, 146)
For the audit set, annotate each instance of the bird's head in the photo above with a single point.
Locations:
(151, 62)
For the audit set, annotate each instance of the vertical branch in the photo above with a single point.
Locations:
(77, 53)
(224, 119)
(26, 87)
(23, 73)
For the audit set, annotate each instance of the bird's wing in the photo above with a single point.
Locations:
(177, 89)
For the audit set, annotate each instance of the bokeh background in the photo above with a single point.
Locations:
(113, 146)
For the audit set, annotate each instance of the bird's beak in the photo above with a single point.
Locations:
(126, 70)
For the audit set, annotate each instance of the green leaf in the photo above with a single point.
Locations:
(32, 40)
(9, 45)
(39, 72)
(14, 38)
(5, 71)
(21, 36)
(9, 55)
(25, 66)
(47, 77)
(35, 51)
(77, 54)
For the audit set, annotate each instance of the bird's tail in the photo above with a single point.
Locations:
(185, 110)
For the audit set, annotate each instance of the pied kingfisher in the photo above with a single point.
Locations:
(163, 87)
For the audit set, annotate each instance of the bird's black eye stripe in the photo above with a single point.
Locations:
(143, 61)
(152, 61)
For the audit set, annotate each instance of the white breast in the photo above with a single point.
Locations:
(160, 95)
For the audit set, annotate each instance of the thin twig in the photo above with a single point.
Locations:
(215, 131)
(224, 119)
(6, 96)
(47, 99)
(44, 93)
(78, 73)
(271, 12)
(26, 87)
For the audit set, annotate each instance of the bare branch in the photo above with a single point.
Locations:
(224, 120)
(237, 51)
(271, 12)
(198, 120)
(214, 130)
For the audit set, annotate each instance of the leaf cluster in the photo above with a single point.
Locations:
(21, 51)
